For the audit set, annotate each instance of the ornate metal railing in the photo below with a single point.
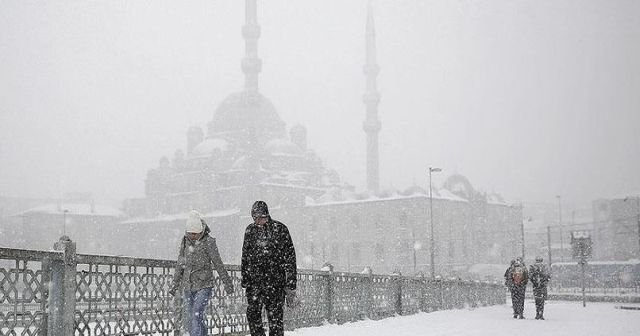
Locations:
(64, 293)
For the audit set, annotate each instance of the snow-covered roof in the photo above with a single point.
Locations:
(77, 209)
(341, 196)
(496, 199)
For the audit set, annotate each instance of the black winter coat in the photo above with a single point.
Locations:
(539, 279)
(268, 257)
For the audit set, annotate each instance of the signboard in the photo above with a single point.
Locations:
(581, 244)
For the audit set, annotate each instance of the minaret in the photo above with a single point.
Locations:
(371, 99)
(251, 64)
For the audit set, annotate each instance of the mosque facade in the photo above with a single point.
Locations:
(246, 153)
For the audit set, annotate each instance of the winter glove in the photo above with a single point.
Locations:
(291, 298)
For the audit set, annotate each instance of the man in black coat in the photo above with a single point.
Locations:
(268, 270)
(539, 276)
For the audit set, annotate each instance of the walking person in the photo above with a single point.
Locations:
(268, 270)
(197, 257)
(508, 282)
(539, 276)
(516, 278)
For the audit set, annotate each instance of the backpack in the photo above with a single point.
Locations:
(517, 275)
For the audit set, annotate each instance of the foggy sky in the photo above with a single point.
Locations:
(530, 99)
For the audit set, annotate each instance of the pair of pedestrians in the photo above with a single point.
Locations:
(516, 278)
(268, 271)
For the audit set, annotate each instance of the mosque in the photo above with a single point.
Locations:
(247, 152)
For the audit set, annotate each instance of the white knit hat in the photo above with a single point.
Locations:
(194, 222)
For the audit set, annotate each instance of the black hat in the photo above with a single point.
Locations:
(259, 209)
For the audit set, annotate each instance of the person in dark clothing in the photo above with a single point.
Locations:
(507, 283)
(268, 270)
(516, 278)
(198, 256)
(539, 276)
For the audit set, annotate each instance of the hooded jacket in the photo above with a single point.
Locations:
(196, 261)
(268, 256)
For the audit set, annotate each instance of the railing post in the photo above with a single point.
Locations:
(45, 268)
(62, 303)
(397, 289)
(329, 291)
(440, 289)
(368, 292)
(423, 292)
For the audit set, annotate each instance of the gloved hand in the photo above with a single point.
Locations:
(290, 298)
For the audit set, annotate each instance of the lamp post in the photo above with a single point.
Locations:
(560, 223)
(433, 266)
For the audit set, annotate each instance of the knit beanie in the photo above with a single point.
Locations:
(259, 209)
(194, 222)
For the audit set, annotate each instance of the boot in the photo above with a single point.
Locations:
(521, 316)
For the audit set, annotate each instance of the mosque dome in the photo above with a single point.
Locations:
(243, 112)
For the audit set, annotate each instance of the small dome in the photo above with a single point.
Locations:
(208, 146)
(280, 147)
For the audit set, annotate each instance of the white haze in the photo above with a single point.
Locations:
(530, 99)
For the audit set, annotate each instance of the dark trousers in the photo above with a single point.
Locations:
(517, 299)
(539, 307)
(273, 301)
(540, 295)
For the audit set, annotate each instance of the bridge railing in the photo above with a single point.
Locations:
(64, 293)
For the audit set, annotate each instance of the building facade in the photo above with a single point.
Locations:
(616, 228)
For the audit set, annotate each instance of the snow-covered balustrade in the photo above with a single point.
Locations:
(63, 293)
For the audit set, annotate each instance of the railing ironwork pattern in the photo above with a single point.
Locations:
(129, 296)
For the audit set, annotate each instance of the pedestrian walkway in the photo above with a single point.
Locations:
(562, 318)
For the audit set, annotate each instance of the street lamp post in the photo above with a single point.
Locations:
(433, 266)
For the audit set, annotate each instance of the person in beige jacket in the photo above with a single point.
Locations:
(197, 257)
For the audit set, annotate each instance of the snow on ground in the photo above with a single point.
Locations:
(561, 318)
